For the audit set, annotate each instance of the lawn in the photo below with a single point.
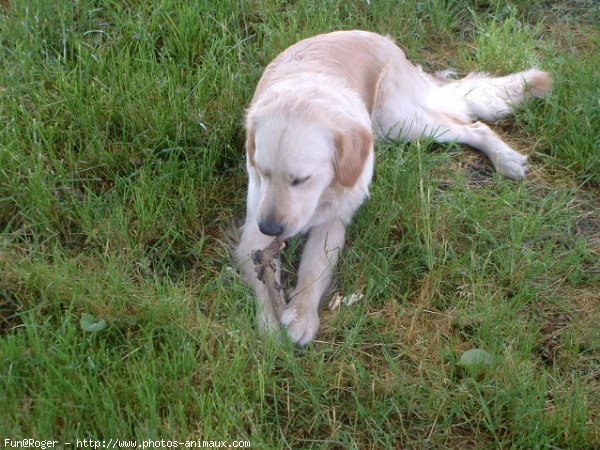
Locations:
(122, 174)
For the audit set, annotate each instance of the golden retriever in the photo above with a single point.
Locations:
(310, 130)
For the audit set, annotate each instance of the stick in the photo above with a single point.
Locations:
(266, 269)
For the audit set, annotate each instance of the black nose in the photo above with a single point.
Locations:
(270, 228)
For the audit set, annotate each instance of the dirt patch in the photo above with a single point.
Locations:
(588, 227)
(570, 340)
(549, 347)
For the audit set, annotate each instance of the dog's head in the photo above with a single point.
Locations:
(300, 161)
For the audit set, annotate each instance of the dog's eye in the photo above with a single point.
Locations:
(298, 181)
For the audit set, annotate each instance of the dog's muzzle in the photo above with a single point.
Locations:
(270, 227)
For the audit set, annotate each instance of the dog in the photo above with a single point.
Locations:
(310, 131)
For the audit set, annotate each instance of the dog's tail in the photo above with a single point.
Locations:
(491, 98)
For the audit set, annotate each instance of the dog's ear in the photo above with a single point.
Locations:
(352, 147)
(250, 146)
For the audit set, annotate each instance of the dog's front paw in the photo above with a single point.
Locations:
(512, 165)
(301, 323)
(268, 323)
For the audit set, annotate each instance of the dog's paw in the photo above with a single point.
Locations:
(512, 165)
(301, 323)
(268, 325)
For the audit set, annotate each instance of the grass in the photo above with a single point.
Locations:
(121, 167)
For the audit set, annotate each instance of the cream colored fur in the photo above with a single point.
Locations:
(310, 131)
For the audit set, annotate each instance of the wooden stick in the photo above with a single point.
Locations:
(265, 261)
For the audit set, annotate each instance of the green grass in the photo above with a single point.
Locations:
(121, 168)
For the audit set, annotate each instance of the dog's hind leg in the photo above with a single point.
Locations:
(505, 160)
(416, 108)
(492, 98)
(442, 128)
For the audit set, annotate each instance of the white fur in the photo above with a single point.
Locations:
(310, 129)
